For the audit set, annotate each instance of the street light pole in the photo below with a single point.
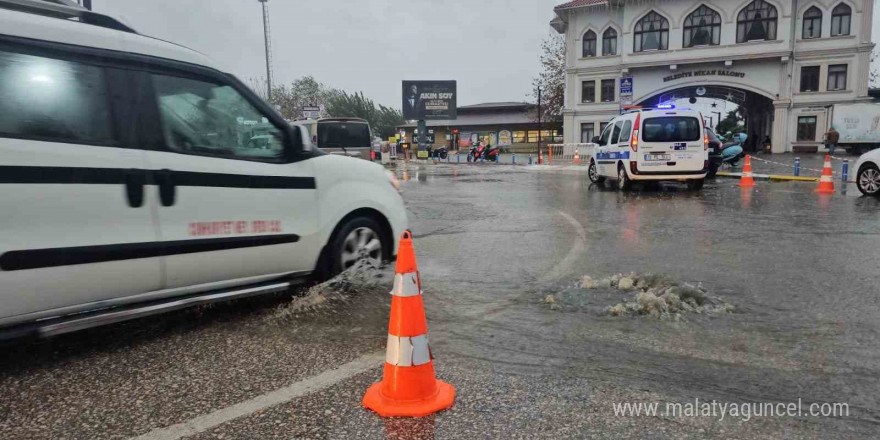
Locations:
(268, 49)
(539, 125)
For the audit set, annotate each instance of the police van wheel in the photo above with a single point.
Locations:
(868, 180)
(623, 182)
(594, 173)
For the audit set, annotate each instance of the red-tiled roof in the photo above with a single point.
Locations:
(578, 4)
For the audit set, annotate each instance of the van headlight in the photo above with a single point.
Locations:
(392, 179)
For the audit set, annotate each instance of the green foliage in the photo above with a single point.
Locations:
(382, 119)
(551, 80)
(730, 123)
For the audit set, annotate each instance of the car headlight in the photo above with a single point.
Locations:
(392, 179)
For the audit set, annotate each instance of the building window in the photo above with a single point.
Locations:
(589, 44)
(841, 18)
(702, 28)
(519, 137)
(651, 33)
(806, 128)
(588, 131)
(757, 21)
(602, 126)
(608, 90)
(810, 79)
(812, 23)
(837, 77)
(609, 42)
(588, 91)
(533, 137)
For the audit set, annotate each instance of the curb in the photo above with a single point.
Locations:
(769, 177)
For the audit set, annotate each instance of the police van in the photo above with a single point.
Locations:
(138, 177)
(652, 145)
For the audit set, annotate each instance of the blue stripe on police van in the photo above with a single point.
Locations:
(614, 155)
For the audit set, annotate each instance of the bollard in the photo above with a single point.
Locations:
(482, 158)
(458, 158)
(844, 172)
(513, 161)
(797, 166)
(498, 157)
(530, 158)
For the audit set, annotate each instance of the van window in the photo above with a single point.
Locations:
(671, 129)
(606, 135)
(335, 134)
(200, 117)
(616, 135)
(53, 100)
(626, 132)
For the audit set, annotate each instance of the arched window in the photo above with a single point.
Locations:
(757, 21)
(841, 18)
(589, 44)
(609, 42)
(812, 23)
(702, 28)
(651, 33)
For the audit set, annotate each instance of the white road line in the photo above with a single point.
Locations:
(315, 383)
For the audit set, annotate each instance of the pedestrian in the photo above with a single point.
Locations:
(831, 139)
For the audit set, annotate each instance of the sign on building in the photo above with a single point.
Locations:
(311, 112)
(505, 139)
(626, 93)
(424, 100)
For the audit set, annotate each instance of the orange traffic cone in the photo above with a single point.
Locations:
(577, 157)
(747, 180)
(826, 182)
(409, 387)
(540, 157)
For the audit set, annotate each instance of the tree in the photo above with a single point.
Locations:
(383, 120)
(730, 123)
(290, 99)
(551, 80)
(874, 76)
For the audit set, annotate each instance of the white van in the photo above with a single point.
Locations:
(652, 145)
(136, 177)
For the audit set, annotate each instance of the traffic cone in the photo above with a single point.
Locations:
(577, 157)
(408, 387)
(826, 182)
(540, 157)
(747, 180)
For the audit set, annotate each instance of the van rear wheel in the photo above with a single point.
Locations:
(695, 184)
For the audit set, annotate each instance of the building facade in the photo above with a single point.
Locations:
(512, 125)
(784, 62)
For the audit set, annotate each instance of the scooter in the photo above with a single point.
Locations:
(479, 152)
(441, 153)
(492, 153)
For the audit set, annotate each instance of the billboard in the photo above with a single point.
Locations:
(429, 100)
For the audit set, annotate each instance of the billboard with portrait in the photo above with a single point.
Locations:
(429, 100)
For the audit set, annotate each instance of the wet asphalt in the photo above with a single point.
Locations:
(492, 242)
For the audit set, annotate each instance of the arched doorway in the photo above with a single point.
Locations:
(756, 109)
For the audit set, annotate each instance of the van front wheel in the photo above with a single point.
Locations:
(594, 173)
(623, 182)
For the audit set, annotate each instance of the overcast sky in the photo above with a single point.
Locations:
(490, 46)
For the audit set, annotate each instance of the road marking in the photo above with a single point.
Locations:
(580, 244)
(315, 383)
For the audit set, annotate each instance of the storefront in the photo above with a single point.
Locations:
(511, 125)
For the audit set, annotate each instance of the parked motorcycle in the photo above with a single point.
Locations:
(441, 153)
(492, 153)
(732, 153)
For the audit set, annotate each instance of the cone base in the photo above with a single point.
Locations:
(825, 191)
(386, 407)
(746, 184)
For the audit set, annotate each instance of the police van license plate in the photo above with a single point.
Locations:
(657, 157)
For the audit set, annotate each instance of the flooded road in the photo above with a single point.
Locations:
(493, 243)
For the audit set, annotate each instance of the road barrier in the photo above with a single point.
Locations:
(570, 153)
(409, 387)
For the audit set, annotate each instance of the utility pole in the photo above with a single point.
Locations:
(87, 4)
(268, 42)
(539, 126)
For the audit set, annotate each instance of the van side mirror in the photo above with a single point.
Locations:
(293, 145)
(596, 139)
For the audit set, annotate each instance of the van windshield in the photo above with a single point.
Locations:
(343, 135)
(671, 129)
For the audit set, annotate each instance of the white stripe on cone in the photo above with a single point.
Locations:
(405, 351)
(406, 284)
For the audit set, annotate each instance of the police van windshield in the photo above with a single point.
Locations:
(671, 129)
(335, 134)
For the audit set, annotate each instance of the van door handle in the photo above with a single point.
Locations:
(165, 180)
(134, 187)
